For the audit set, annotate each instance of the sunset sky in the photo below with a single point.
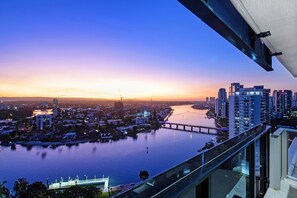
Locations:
(107, 49)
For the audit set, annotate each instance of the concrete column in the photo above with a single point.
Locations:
(105, 189)
(284, 159)
(275, 161)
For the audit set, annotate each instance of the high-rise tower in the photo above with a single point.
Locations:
(248, 107)
(221, 102)
(55, 107)
(282, 102)
(294, 100)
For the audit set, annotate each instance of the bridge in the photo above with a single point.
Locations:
(194, 128)
(78, 182)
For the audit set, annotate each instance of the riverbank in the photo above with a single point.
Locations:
(39, 140)
(39, 143)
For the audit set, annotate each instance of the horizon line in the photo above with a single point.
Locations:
(93, 98)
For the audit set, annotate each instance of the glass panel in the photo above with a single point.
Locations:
(156, 184)
(257, 167)
(231, 179)
(292, 154)
(193, 171)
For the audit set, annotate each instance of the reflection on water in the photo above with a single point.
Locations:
(186, 115)
(121, 160)
(43, 155)
(94, 149)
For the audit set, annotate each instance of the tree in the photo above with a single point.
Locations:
(20, 187)
(92, 191)
(37, 189)
(143, 174)
(82, 192)
(4, 192)
(73, 192)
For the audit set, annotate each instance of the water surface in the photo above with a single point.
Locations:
(120, 160)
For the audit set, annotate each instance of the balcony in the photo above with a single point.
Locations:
(237, 167)
(283, 164)
(232, 165)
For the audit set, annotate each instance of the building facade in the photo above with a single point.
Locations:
(43, 121)
(221, 103)
(248, 107)
(212, 100)
(294, 100)
(282, 102)
(287, 101)
(55, 107)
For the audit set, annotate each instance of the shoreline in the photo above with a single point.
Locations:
(39, 143)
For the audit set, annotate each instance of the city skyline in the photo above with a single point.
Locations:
(109, 49)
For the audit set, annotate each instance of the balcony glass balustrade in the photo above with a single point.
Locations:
(190, 173)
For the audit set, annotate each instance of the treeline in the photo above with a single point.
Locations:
(16, 114)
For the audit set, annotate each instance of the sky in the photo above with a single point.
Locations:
(112, 48)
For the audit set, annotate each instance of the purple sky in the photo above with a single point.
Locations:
(107, 49)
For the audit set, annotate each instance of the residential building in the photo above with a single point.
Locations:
(277, 105)
(294, 100)
(43, 118)
(212, 100)
(43, 121)
(55, 107)
(282, 102)
(271, 106)
(221, 102)
(287, 102)
(248, 107)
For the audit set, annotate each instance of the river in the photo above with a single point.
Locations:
(120, 160)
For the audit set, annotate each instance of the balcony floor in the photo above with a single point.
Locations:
(288, 189)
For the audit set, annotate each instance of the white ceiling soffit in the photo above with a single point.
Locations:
(280, 18)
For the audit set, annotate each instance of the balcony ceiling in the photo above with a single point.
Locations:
(280, 18)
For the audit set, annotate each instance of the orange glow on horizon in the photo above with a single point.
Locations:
(108, 81)
(60, 86)
(111, 90)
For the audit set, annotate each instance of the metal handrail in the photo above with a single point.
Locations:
(172, 176)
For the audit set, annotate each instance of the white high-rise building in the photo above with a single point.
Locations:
(248, 107)
(43, 121)
(43, 118)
